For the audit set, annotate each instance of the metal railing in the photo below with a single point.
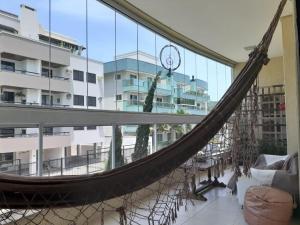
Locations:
(24, 102)
(31, 73)
(94, 161)
(34, 135)
(155, 104)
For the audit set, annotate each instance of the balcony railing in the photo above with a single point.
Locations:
(136, 85)
(94, 161)
(34, 135)
(17, 102)
(192, 109)
(193, 95)
(24, 102)
(31, 73)
(158, 107)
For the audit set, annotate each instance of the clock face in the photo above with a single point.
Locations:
(170, 57)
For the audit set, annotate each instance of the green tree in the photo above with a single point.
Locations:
(119, 158)
(143, 131)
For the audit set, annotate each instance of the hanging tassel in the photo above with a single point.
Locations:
(175, 213)
(102, 216)
(122, 214)
(125, 217)
(222, 167)
(214, 168)
(173, 216)
(218, 167)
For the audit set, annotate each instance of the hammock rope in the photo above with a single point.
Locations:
(39, 194)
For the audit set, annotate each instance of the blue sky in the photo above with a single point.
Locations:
(68, 17)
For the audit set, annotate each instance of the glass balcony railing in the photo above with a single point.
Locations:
(193, 95)
(191, 109)
(30, 73)
(158, 107)
(33, 135)
(136, 85)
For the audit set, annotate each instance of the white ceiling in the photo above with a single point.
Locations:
(224, 26)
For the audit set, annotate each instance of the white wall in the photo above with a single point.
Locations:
(79, 87)
(142, 56)
(9, 21)
(29, 25)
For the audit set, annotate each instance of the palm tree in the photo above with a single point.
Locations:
(119, 158)
(143, 131)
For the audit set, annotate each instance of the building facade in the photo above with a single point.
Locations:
(35, 72)
(129, 78)
(39, 69)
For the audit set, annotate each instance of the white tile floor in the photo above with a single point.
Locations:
(222, 208)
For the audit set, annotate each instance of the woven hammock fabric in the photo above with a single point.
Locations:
(68, 191)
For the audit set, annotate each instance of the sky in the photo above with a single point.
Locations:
(68, 17)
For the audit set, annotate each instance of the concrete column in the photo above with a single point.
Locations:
(113, 147)
(173, 135)
(40, 151)
(78, 152)
(33, 96)
(154, 137)
(32, 161)
(291, 84)
(291, 78)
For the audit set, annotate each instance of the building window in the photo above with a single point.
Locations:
(169, 137)
(46, 100)
(78, 75)
(7, 132)
(134, 99)
(91, 78)
(45, 72)
(48, 130)
(159, 137)
(7, 156)
(118, 77)
(118, 97)
(91, 127)
(9, 66)
(78, 128)
(159, 99)
(132, 76)
(78, 100)
(8, 96)
(91, 101)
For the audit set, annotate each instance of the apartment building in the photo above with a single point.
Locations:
(35, 72)
(129, 78)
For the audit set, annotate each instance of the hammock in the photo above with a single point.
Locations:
(18, 192)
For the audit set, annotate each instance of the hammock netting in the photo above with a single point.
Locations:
(152, 189)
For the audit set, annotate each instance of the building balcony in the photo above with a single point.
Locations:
(32, 80)
(26, 142)
(142, 86)
(26, 47)
(134, 85)
(192, 95)
(191, 109)
(158, 107)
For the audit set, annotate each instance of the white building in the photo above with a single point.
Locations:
(25, 79)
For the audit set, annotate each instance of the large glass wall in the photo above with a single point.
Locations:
(92, 57)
